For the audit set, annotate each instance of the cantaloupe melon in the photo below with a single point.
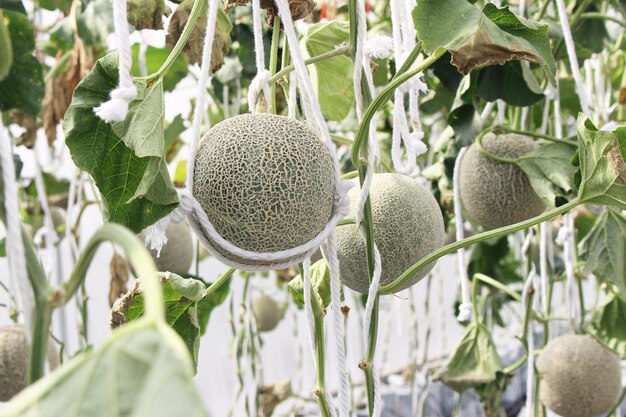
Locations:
(177, 254)
(267, 313)
(579, 376)
(266, 182)
(497, 194)
(14, 358)
(408, 225)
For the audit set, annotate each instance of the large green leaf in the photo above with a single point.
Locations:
(142, 370)
(550, 170)
(604, 249)
(602, 166)
(463, 117)
(474, 362)
(180, 296)
(13, 5)
(332, 78)
(478, 38)
(136, 191)
(510, 82)
(23, 87)
(609, 324)
(208, 304)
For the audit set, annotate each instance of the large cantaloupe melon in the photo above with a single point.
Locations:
(497, 194)
(408, 225)
(266, 182)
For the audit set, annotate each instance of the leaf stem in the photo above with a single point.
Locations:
(216, 285)
(274, 62)
(180, 44)
(382, 98)
(597, 15)
(139, 258)
(536, 135)
(490, 234)
(341, 50)
(320, 389)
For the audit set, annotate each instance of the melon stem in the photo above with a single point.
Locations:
(490, 234)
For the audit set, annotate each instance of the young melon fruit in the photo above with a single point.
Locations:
(14, 357)
(177, 254)
(579, 376)
(266, 182)
(267, 313)
(408, 225)
(497, 194)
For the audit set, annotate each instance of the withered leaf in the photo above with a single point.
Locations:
(119, 270)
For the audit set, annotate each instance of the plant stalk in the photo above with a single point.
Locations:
(274, 62)
(341, 50)
(490, 234)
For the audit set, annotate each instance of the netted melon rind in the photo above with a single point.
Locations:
(177, 254)
(14, 357)
(266, 182)
(579, 376)
(408, 225)
(497, 194)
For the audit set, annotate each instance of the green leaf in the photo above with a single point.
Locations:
(155, 57)
(13, 5)
(494, 258)
(52, 185)
(6, 50)
(609, 324)
(208, 304)
(549, 170)
(509, 82)
(332, 78)
(474, 362)
(142, 370)
(604, 247)
(62, 5)
(3, 247)
(463, 117)
(95, 22)
(591, 33)
(136, 191)
(320, 281)
(180, 295)
(477, 39)
(602, 166)
(23, 87)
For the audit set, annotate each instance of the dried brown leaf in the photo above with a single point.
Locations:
(119, 271)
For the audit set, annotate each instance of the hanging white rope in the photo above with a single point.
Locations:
(571, 54)
(116, 108)
(530, 285)
(543, 266)
(260, 81)
(403, 43)
(18, 275)
(465, 309)
(373, 157)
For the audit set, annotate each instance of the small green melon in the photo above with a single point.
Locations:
(266, 182)
(177, 254)
(408, 225)
(14, 357)
(579, 376)
(267, 313)
(497, 194)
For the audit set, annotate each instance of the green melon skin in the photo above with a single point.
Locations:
(579, 376)
(14, 357)
(177, 254)
(497, 194)
(266, 182)
(267, 313)
(408, 225)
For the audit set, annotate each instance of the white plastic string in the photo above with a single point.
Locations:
(260, 81)
(372, 161)
(116, 108)
(465, 309)
(18, 276)
(529, 285)
(543, 265)
(571, 54)
(292, 102)
(403, 42)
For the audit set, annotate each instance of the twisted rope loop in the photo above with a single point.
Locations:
(116, 109)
